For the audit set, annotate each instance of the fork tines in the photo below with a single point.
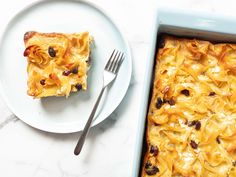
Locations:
(115, 61)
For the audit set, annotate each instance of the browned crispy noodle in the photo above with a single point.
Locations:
(57, 63)
(191, 129)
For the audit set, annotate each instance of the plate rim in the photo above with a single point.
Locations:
(59, 129)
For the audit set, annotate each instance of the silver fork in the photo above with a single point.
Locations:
(109, 75)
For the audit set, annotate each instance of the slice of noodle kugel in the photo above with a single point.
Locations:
(57, 63)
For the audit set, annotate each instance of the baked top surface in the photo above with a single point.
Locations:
(191, 129)
(57, 63)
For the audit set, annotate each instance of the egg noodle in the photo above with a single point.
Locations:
(191, 129)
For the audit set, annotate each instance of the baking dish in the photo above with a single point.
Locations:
(195, 24)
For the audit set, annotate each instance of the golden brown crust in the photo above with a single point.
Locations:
(28, 35)
(192, 113)
(57, 63)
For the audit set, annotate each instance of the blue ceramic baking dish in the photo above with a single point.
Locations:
(178, 22)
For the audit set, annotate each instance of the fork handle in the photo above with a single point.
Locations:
(82, 138)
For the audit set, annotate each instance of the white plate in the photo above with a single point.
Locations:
(58, 114)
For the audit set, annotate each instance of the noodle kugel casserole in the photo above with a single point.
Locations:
(191, 122)
(57, 63)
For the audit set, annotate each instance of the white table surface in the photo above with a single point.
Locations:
(109, 148)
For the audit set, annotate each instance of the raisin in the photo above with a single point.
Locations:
(154, 150)
(211, 94)
(171, 102)
(185, 92)
(74, 70)
(161, 43)
(26, 52)
(152, 170)
(192, 123)
(234, 163)
(218, 139)
(78, 86)
(193, 144)
(198, 125)
(66, 72)
(51, 52)
(42, 82)
(148, 164)
(159, 103)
